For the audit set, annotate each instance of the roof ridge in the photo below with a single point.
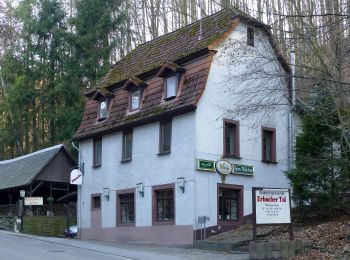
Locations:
(31, 154)
(176, 31)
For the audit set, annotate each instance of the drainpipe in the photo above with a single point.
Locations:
(291, 109)
(79, 194)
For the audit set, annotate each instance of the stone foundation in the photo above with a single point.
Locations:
(273, 249)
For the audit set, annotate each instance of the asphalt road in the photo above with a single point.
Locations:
(17, 247)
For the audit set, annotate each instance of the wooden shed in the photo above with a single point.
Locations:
(44, 173)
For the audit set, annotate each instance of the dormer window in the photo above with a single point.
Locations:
(135, 88)
(102, 97)
(135, 99)
(171, 86)
(102, 113)
(171, 72)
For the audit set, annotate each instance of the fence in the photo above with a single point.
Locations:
(44, 210)
(45, 220)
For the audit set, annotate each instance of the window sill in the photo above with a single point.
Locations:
(232, 157)
(268, 162)
(169, 98)
(96, 166)
(100, 119)
(229, 222)
(131, 224)
(126, 160)
(163, 153)
(162, 223)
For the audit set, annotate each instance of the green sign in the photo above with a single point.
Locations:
(243, 169)
(205, 165)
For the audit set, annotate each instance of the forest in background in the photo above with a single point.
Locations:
(52, 51)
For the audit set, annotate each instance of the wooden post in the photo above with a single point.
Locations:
(254, 215)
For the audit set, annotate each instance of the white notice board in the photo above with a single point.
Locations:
(33, 201)
(272, 206)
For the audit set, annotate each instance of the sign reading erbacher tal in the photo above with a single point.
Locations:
(272, 206)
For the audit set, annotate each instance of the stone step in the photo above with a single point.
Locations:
(229, 247)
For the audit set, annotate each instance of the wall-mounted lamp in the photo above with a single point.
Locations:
(106, 193)
(181, 184)
(140, 188)
(22, 193)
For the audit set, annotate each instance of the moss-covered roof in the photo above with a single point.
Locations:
(180, 50)
(171, 47)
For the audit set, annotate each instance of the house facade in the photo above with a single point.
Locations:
(160, 119)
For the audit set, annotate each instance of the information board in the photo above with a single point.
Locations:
(33, 201)
(272, 206)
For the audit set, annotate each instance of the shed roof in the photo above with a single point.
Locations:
(22, 171)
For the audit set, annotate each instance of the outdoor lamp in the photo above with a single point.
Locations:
(106, 193)
(22, 193)
(140, 188)
(181, 184)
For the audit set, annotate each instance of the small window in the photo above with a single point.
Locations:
(102, 109)
(171, 86)
(127, 210)
(97, 152)
(165, 205)
(231, 138)
(96, 202)
(135, 99)
(127, 145)
(165, 137)
(269, 145)
(250, 36)
(228, 205)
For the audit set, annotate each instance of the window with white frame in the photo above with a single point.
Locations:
(102, 112)
(135, 99)
(171, 86)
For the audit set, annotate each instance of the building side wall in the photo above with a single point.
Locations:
(145, 167)
(229, 87)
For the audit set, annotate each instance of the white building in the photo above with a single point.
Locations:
(164, 114)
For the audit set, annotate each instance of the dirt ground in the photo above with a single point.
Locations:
(327, 240)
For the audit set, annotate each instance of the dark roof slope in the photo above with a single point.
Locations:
(181, 47)
(173, 46)
(22, 171)
(153, 106)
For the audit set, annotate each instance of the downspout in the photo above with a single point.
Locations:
(79, 194)
(291, 110)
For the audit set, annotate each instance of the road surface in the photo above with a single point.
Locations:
(17, 247)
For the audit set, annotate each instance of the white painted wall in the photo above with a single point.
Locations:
(146, 167)
(229, 88)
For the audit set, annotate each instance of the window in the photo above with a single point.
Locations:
(127, 209)
(165, 137)
(228, 204)
(96, 201)
(231, 138)
(250, 36)
(171, 86)
(127, 145)
(135, 99)
(97, 152)
(102, 112)
(269, 144)
(165, 205)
